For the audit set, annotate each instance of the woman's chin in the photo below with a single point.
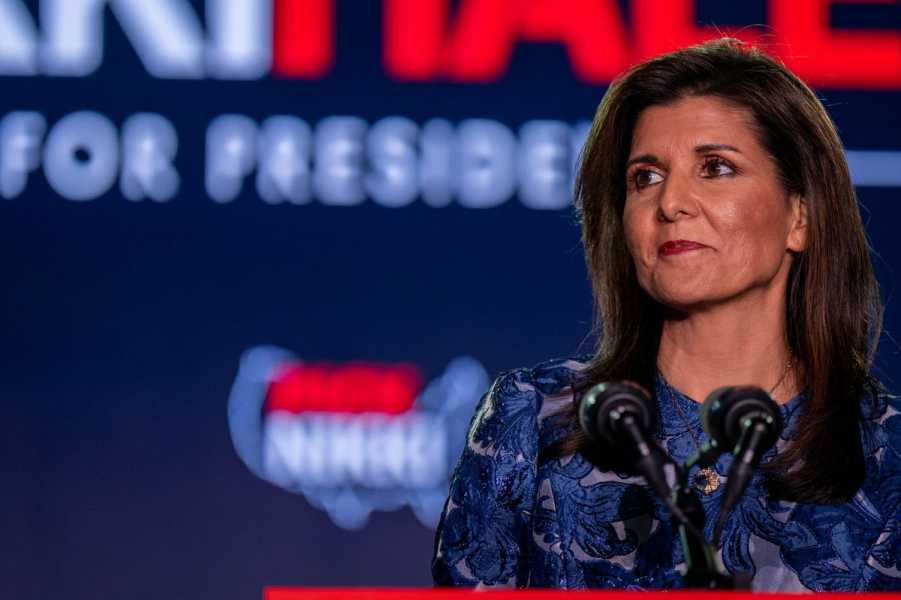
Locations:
(687, 300)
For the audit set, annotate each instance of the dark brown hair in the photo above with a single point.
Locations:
(832, 301)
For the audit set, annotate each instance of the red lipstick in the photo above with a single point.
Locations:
(679, 246)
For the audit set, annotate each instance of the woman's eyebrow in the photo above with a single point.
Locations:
(644, 158)
(703, 148)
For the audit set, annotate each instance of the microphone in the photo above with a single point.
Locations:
(747, 420)
(621, 415)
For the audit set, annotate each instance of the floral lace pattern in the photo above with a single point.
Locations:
(512, 522)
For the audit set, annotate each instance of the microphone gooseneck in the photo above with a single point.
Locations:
(746, 420)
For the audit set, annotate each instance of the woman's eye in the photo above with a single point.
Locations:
(644, 177)
(717, 167)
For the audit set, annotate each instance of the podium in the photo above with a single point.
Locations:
(300, 593)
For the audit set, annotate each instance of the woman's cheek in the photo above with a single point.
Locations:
(749, 233)
(634, 232)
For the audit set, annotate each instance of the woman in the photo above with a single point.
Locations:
(725, 247)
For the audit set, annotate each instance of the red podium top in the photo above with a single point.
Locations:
(299, 593)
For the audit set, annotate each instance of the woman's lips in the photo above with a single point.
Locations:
(679, 246)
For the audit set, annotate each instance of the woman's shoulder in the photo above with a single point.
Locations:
(547, 382)
(881, 438)
(513, 413)
(881, 412)
(877, 401)
(557, 375)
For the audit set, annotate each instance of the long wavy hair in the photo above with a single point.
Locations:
(834, 313)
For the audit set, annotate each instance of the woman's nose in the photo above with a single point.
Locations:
(676, 200)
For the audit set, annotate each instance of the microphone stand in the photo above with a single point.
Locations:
(687, 512)
(700, 556)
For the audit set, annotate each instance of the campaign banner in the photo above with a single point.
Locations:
(264, 257)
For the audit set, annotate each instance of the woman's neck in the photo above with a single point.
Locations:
(740, 343)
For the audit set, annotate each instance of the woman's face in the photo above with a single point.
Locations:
(706, 217)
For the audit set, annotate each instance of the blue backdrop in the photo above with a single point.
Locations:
(135, 284)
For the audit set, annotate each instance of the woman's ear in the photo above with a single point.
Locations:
(797, 235)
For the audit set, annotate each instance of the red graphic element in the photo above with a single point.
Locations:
(478, 45)
(423, 41)
(287, 593)
(413, 37)
(840, 58)
(304, 38)
(665, 26)
(351, 388)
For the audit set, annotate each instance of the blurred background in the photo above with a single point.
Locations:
(263, 256)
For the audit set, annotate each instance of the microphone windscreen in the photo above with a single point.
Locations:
(727, 409)
(603, 405)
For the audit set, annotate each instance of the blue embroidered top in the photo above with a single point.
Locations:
(510, 521)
